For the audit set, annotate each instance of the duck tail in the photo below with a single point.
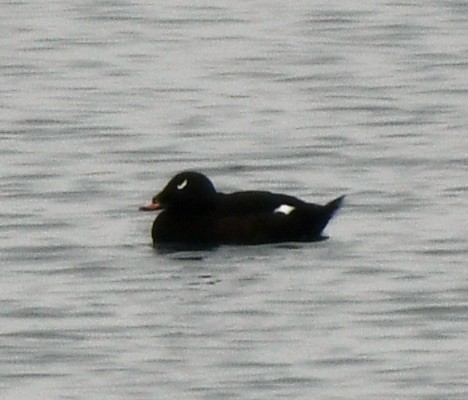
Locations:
(333, 205)
(328, 210)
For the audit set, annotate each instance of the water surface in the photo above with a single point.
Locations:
(102, 102)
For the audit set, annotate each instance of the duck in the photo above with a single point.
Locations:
(193, 212)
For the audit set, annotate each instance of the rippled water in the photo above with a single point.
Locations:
(103, 101)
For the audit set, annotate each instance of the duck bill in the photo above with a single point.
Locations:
(152, 207)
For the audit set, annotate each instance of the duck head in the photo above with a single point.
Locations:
(188, 192)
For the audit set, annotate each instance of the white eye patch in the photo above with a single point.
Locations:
(182, 184)
(285, 209)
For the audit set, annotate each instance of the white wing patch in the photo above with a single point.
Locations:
(285, 209)
(182, 184)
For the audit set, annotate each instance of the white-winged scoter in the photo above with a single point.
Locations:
(194, 213)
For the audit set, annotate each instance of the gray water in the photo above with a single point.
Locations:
(103, 101)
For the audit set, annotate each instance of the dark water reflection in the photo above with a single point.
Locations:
(102, 102)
